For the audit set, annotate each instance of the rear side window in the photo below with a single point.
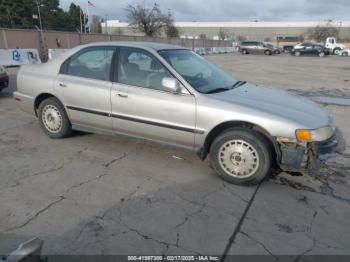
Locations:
(92, 63)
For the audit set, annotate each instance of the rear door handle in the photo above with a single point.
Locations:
(62, 85)
(122, 95)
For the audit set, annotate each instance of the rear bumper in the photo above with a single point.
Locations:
(24, 102)
(294, 157)
(4, 81)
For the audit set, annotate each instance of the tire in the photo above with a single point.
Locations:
(268, 52)
(321, 54)
(345, 53)
(229, 166)
(297, 53)
(53, 118)
(336, 51)
(244, 52)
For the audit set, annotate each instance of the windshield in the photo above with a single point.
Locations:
(197, 71)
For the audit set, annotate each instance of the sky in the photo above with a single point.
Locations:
(228, 10)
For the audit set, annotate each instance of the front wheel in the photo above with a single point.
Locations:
(336, 51)
(241, 156)
(268, 52)
(345, 53)
(53, 118)
(321, 54)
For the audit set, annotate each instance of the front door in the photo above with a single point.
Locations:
(140, 105)
(84, 87)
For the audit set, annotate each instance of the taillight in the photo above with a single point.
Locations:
(17, 98)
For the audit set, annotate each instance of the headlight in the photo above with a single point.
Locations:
(320, 134)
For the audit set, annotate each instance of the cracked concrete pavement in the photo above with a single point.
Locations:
(95, 194)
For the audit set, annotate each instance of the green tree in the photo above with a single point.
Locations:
(19, 14)
(74, 17)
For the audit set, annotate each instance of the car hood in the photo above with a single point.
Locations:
(277, 103)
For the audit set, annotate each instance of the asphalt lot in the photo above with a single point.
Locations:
(95, 194)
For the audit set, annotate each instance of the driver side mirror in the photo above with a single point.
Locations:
(171, 85)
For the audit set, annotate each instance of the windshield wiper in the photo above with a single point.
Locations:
(222, 89)
(217, 90)
(239, 83)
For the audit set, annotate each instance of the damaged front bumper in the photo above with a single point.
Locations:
(303, 157)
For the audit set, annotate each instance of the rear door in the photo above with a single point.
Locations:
(256, 48)
(141, 107)
(84, 86)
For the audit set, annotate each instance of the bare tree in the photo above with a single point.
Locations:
(320, 33)
(96, 25)
(202, 36)
(223, 35)
(241, 38)
(172, 31)
(267, 39)
(152, 21)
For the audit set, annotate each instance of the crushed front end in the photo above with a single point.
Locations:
(301, 156)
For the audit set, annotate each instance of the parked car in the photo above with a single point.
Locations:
(345, 52)
(4, 78)
(287, 48)
(255, 47)
(311, 50)
(172, 95)
(302, 45)
(275, 49)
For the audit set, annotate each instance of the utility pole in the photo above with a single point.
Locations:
(106, 27)
(42, 44)
(39, 13)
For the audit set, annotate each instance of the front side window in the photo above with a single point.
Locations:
(93, 63)
(202, 75)
(139, 68)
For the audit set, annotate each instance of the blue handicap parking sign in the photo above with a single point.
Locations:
(16, 56)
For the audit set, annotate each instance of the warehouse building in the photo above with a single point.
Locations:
(255, 30)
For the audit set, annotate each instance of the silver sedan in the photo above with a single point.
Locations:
(171, 95)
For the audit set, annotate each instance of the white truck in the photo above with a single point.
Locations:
(331, 43)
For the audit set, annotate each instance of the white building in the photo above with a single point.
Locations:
(251, 30)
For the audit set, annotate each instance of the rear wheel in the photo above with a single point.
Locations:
(321, 54)
(244, 52)
(268, 52)
(297, 53)
(241, 156)
(53, 118)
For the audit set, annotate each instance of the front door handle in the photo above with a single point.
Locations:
(122, 95)
(62, 85)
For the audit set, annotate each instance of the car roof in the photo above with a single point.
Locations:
(152, 45)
